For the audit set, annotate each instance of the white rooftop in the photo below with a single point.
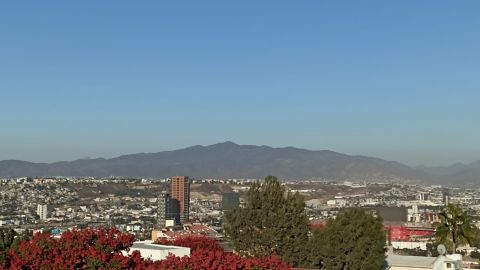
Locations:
(420, 262)
(411, 261)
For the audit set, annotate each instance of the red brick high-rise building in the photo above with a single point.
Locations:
(181, 198)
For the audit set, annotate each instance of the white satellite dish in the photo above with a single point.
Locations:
(441, 249)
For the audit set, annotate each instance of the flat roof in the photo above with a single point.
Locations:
(146, 245)
(411, 261)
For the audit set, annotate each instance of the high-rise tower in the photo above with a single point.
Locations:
(181, 198)
(230, 201)
(164, 209)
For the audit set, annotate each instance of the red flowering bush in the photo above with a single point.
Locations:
(207, 254)
(89, 248)
(102, 249)
(212, 260)
(193, 242)
(317, 226)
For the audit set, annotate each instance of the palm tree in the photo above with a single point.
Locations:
(455, 227)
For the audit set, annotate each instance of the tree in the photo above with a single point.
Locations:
(355, 240)
(476, 240)
(475, 254)
(455, 227)
(7, 238)
(273, 222)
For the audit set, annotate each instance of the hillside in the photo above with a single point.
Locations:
(224, 160)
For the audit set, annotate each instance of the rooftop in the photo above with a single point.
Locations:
(150, 245)
(411, 261)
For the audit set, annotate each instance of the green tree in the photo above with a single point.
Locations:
(7, 240)
(273, 222)
(355, 240)
(7, 237)
(455, 227)
(476, 240)
(26, 235)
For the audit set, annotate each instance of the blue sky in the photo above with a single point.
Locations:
(393, 79)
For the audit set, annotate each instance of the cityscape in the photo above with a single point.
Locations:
(247, 135)
(172, 208)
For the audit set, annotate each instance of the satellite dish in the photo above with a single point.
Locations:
(441, 249)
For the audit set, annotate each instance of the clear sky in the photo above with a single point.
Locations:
(398, 80)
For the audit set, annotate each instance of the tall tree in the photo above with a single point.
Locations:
(355, 240)
(273, 222)
(7, 240)
(455, 227)
(7, 237)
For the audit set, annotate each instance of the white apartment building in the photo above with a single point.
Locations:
(42, 211)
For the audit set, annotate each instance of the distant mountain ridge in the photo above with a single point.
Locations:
(457, 173)
(227, 160)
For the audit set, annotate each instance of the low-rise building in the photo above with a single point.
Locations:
(149, 250)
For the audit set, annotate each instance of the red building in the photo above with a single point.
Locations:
(181, 198)
(404, 233)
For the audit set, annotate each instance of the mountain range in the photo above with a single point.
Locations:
(230, 160)
(458, 173)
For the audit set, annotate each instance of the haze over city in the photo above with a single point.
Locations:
(379, 79)
(247, 135)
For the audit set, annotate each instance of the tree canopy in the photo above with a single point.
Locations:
(7, 238)
(272, 222)
(355, 240)
(455, 227)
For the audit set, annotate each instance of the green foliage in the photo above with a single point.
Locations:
(411, 252)
(7, 238)
(95, 263)
(355, 240)
(273, 222)
(476, 240)
(475, 255)
(432, 249)
(455, 228)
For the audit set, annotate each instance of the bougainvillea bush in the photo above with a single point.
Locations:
(78, 249)
(206, 253)
(102, 249)
(193, 242)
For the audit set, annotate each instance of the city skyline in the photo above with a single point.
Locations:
(395, 81)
